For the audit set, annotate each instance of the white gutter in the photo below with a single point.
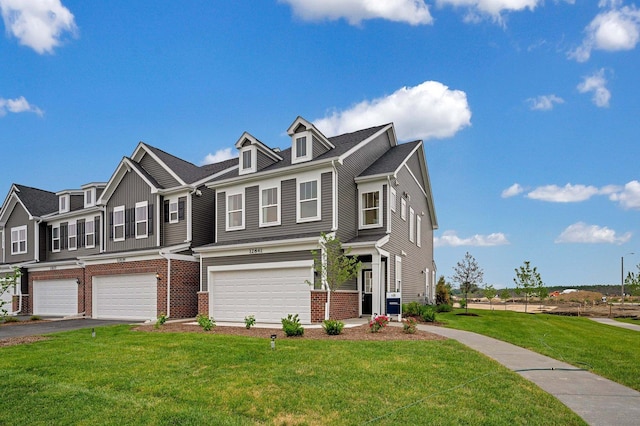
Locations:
(168, 257)
(335, 195)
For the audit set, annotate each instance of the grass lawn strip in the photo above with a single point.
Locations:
(125, 377)
(611, 352)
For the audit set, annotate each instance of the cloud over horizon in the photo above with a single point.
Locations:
(451, 239)
(428, 110)
(583, 233)
(220, 155)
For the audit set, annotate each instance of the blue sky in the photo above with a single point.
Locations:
(530, 110)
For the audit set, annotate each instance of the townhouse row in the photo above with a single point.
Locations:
(230, 239)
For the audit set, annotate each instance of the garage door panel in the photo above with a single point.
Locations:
(125, 297)
(55, 297)
(269, 294)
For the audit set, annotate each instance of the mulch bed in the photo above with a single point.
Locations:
(20, 340)
(352, 333)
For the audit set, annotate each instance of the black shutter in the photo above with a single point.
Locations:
(181, 209)
(150, 217)
(96, 229)
(64, 240)
(80, 242)
(111, 225)
(166, 211)
(127, 222)
(50, 238)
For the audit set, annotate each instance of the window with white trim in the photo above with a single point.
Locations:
(63, 203)
(301, 149)
(398, 281)
(72, 229)
(418, 231)
(19, 239)
(412, 221)
(55, 238)
(118, 223)
(308, 201)
(90, 234)
(269, 207)
(248, 159)
(173, 211)
(403, 209)
(370, 209)
(89, 197)
(392, 199)
(235, 212)
(142, 218)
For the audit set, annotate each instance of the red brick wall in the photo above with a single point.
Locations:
(56, 274)
(344, 305)
(203, 303)
(25, 303)
(185, 283)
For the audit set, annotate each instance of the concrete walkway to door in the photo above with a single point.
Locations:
(597, 400)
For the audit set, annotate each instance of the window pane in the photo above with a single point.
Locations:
(141, 213)
(301, 146)
(246, 160)
(370, 217)
(235, 219)
(309, 208)
(270, 214)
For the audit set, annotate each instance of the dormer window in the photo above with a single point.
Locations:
(248, 160)
(89, 197)
(64, 203)
(301, 149)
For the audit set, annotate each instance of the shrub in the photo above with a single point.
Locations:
(411, 309)
(291, 326)
(332, 327)
(428, 313)
(463, 303)
(161, 320)
(35, 318)
(378, 323)
(10, 319)
(205, 322)
(249, 321)
(409, 325)
(444, 308)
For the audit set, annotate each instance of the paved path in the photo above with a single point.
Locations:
(609, 321)
(597, 400)
(45, 327)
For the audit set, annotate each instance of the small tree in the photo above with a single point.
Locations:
(528, 282)
(489, 292)
(505, 294)
(6, 283)
(632, 282)
(334, 265)
(468, 275)
(443, 297)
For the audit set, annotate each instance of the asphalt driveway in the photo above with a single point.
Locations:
(45, 327)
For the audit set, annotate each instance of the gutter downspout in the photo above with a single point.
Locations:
(334, 225)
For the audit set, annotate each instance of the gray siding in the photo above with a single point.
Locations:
(203, 218)
(19, 217)
(76, 202)
(64, 253)
(174, 233)
(347, 188)
(290, 256)
(318, 148)
(414, 165)
(158, 172)
(288, 225)
(132, 189)
(262, 160)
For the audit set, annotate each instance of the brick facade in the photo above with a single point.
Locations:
(203, 302)
(344, 305)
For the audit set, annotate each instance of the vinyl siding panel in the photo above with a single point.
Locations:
(289, 256)
(318, 148)
(414, 165)
(347, 188)
(203, 217)
(175, 233)
(19, 217)
(158, 172)
(262, 160)
(76, 202)
(132, 189)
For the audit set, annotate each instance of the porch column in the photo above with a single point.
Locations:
(378, 286)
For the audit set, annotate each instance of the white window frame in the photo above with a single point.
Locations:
(263, 206)
(228, 196)
(63, 203)
(403, 209)
(306, 179)
(398, 276)
(174, 204)
(412, 225)
(295, 158)
(418, 231)
(144, 219)
(253, 157)
(115, 225)
(89, 197)
(17, 240)
(87, 233)
(369, 189)
(392, 199)
(55, 239)
(72, 236)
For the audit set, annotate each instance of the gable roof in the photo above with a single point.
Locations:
(391, 160)
(37, 202)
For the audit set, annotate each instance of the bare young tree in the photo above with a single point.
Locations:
(468, 275)
(528, 281)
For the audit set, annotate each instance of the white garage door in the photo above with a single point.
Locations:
(125, 297)
(55, 297)
(270, 291)
(6, 299)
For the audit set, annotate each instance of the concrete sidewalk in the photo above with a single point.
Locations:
(609, 321)
(597, 400)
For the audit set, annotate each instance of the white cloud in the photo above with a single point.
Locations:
(477, 9)
(613, 30)
(566, 194)
(512, 191)
(451, 239)
(629, 197)
(544, 102)
(596, 83)
(429, 110)
(413, 12)
(220, 155)
(18, 105)
(38, 24)
(591, 234)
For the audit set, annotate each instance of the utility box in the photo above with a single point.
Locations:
(393, 304)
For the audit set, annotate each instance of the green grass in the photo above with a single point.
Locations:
(635, 321)
(611, 352)
(124, 377)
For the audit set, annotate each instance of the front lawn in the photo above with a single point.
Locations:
(611, 352)
(126, 377)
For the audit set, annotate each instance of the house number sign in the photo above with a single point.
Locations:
(255, 251)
